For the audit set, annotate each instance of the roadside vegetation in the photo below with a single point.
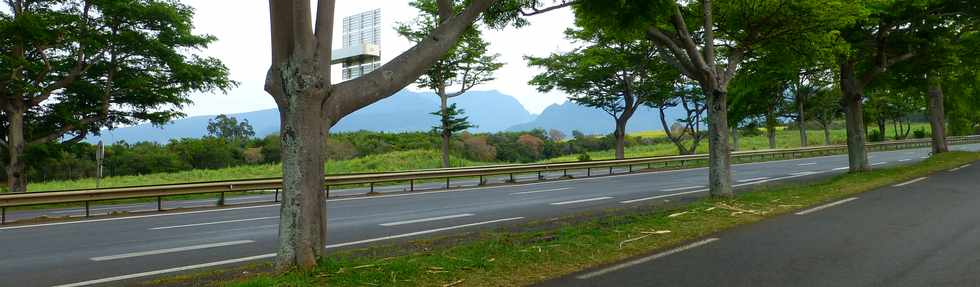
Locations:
(521, 258)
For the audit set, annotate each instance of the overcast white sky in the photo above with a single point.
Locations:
(242, 28)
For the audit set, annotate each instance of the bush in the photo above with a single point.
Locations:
(584, 157)
(477, 148)
(919, 133)
(876, 136)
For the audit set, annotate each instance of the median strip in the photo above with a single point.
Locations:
(645, 259)
(421, 232)
(829, 205)
(581, 200)
(426, 219)
(170, 250)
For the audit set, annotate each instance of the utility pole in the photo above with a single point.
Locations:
(99, 155)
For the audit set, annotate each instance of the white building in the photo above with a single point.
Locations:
(361, 50)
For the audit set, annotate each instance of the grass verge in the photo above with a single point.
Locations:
(521, 258)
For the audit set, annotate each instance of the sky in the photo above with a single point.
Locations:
(243, 45)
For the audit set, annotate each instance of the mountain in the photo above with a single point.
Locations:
(491, 111)
(570, 116)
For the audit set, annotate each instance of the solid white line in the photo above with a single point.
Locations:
(645, 259)
(212, 223)
(842, 168)
(170, 270)
(170, 250)
(421, 232)
(425, 219)
(802, 173)
(806, 164)
(923, 157)
(904, 160)
(753, 179)
(880, 163)
(959, 168)
(832, 204)
(581, 200)
(539, 191)
(682, 188)
(910, 182)
(135, 217)
(662, 196)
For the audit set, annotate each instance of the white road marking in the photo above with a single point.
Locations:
(959, 168)
(806, 164)
(581, 200)
(842, 168)
(539, 191)
(213, 223)
(170, 250)
(802, 173)
(165, 271)
(832, 204)
(421, 232)
(681, 188)
(134, 217)
(879, 163)
(644, 259)
(426, 219)
(910, 182)
(661, 196)
(904, 159)
(923, 157)
(753, 179)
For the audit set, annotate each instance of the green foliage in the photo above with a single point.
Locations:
(452, 121)
(229, 129)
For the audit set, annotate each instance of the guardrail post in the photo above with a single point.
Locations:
(564, 173)
(540, 177)
(588, 172)
(221, 200)
(159, 203)
(610, 170)
(481, 181)
(512, 178)
(631, 168)
(276, 197)
(3, 215)
(447, 182)
(86, 209)
(372, 187)
(411, 184)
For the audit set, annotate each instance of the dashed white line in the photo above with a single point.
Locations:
(540, 191)
(910, 182)
(581, 200)
(832, 204)
(681, 188)
(806, 164)
(661, 196)
(753, 179)
(842, 168)
(904, 159)
(645, 259)
(959, 168)
(170, 250)
(421, 232)
(213, 223)
(170, 270)
(923, 157)
(135, 217)
(879, 163)
(426, 219)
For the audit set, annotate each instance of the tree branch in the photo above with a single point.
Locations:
(536, 11)
(679, 60)
(445, 9)
(352, 95)
(697, 61)
(324, 37)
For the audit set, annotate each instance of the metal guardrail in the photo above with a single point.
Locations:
(221, 187)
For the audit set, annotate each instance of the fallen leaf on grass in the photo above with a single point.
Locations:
(363, 266)
(658, 232)
(631, 240)
(452, 283)
(677, 214)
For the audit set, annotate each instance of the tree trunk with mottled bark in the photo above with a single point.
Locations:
(16, 176)
(857, 155)
(620, 135)
(443, 106)
(801, 117)
(771, 126)
(719, 155)
(826, 135)
(937, 116)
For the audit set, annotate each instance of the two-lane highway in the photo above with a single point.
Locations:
(113, 250)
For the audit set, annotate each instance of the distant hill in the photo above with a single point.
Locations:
(491, 111)
(569, 116)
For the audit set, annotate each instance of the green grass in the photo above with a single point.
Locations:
(403, 160)
(522, 258)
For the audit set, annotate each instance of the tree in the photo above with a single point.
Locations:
(556, 135)
(75, 67)
(465, 66)
(299, 81)
(825, 106)
(689, 97)
(229, 129)
(741, 29)
(451, 121)
(615, 76)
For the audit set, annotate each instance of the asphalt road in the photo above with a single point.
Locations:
(111, 251)
(924, 232)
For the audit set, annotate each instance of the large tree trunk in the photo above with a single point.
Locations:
(620, 135)
(734, 138)
(16, 177)
(771, 127)
(443, 105)
(857, 155)
(937, 116)
(719, 155)
(801, 119)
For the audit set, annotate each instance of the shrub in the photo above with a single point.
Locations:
(584, 157)
(919, 133)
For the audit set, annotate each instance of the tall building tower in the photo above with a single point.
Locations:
(361, 52)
